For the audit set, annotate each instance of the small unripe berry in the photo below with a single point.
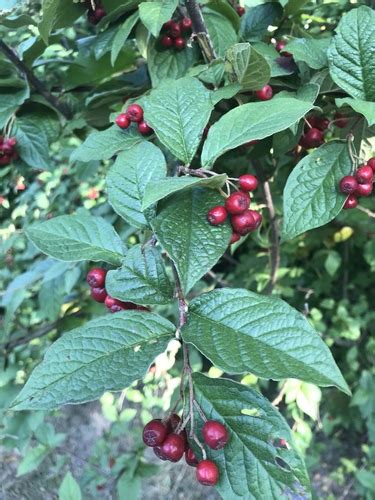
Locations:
(348, 184)
(351, 201)
(207, 473)
(175, 30)
(240, 10)
(244, 223)
(237, 202)
(122, 120)
(265, 93)
(313, 138)
(215, 434)
(99, 294)
(179, 43)
(190, 458)
(166, 41)
(248, 182)
(144, 129)
(186, 24)
(154, 433)
(173, 447)
(234, 238)
(364, 174)
(96, 277)
(371, 163)
(135, 113)
(364, 189)
(217, 215)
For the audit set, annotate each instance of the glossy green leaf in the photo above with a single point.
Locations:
(280, 66)
(252, 465)
(241, 331)
(106, 354)
(246, 66)
(250, 122)
(312, 51)
(142, 278)
(69, 488)
(182, 229)
(221, 31)
(154, 14)
(365, 108)
(178, 111)
(122, 35)
(77, 237)
(311, 195)
(162, 188)
(58, 14)
(32, 143)
(351, 54)
(128, 178)
(256, 20)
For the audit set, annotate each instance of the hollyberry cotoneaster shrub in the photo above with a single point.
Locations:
(192, 116)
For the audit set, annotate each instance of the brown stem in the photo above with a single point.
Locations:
(38, 85)
(200, 30)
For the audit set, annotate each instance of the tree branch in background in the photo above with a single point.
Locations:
(200, 30)
(38, 85)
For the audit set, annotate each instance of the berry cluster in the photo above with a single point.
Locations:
(359, 184)
(169, 441)
(7, 150)
(237, 204)
(94, 15)
(134, 113)
(173, 33)
(96, 280)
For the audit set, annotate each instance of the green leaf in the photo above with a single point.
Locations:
(160, 189)
(142, 278)
(252, 465)
(226, 10)
(312, 51)
(226, 92)
(246, 66)
(69, 488)
(154, 14)
(257, 19)
(128, 178)
(271, 55)
(250, 122)
(77, 237)
(106, 354)
(182, 229)
(241, 331)
(351, 56)
(129, 486)
(32, 143)
(102, 145)
(10, 100)
(311, 195)
(178, 111)
(169, 64)
(58, 14)
(221, 31)
(33, 458)
(365, 108)
(122, 35)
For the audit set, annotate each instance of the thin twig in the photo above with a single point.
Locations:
(366, 211)
(200, 30)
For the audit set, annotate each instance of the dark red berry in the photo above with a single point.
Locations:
(348, 184)
(8, 146)
(96, 277)
(175, 30)
(144, 129)
(248, 182)
(190, 458)
(116, 305)
(265, 93)
(237, 202)
(207, 473)
(167, 25)
(351, 201)
(371, 163)
(5, 160)
(154, 433)
(340, 120)
(215, 434)
(179, 43)
(234, 238)
(158, 452)
(217, 215)
(280, 46)
(364, 189)
(322, 123)
(186, 25)
(122, 120)
(364, 174)
(173, 447)
(135, 113)
(99, 13)
(240, 10)
(173, 422)
(98, 294)
(313, 138)
(166, 41)
(243, 223)
(257, 216)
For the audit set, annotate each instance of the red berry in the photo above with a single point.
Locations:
(190, 458)
(8, 145)
(371, 163)
(98, 294)
(364, 174)
(248, 182)
(364, 189)
(234, 238)
(116, 305)
(351, 201)
(257, 216)
(237, 202)
(167, 25)
(244, 223)
(217, 215)
(348, 184)
(265, 93)
(99, 13)
(135, 113)
(158, 452)
(322, 123)
(166, 41)
(175, 30)
(340, 120)
(207, 473)
(5, 160)
(96, 277)
(280, 45)
(122, 120)
(173, 447)
(313, 138)
(186, 24)
(179, 43)
(144, 129)
(173, 422)
(215, 434)
(154, 433)
(240, 10)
